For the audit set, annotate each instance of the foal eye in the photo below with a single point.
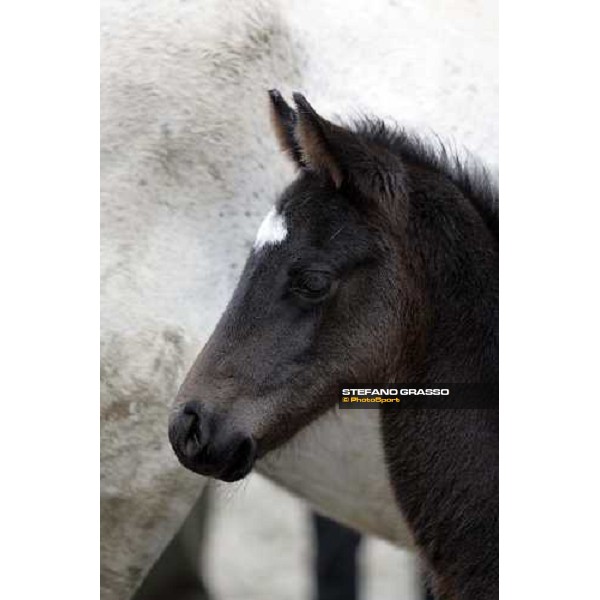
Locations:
(312, 285)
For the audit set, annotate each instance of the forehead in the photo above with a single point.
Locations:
(310, 224)
(273, 230)
(309, 213)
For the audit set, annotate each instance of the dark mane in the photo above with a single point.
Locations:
(468, 173)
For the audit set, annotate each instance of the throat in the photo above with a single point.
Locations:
(337, 465)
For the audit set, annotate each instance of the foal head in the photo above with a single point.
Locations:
(335, 291)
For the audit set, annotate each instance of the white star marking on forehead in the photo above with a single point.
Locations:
(272, 230)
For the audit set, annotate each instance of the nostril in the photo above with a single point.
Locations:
(191, 440)
(192, 407)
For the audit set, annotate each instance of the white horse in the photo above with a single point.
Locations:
(189, 167)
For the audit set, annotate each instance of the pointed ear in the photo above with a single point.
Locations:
(316, 136)
(347, 157)
(284, 121)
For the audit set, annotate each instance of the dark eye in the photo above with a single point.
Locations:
(312, 285)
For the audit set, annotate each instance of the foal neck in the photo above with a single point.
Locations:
(454, 257)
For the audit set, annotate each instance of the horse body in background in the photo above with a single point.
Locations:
(182, 182)
(378, 264)
(188, 170)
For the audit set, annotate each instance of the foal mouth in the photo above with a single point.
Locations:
(237, 470)
(240, 462)
(237, 467)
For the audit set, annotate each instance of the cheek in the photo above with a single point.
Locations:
(275, 352)
(357, 330)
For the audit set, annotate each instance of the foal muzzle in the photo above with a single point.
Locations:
(205, 443)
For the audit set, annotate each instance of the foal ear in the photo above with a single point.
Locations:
(348, 158)
(284, 121)
(317, 136)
